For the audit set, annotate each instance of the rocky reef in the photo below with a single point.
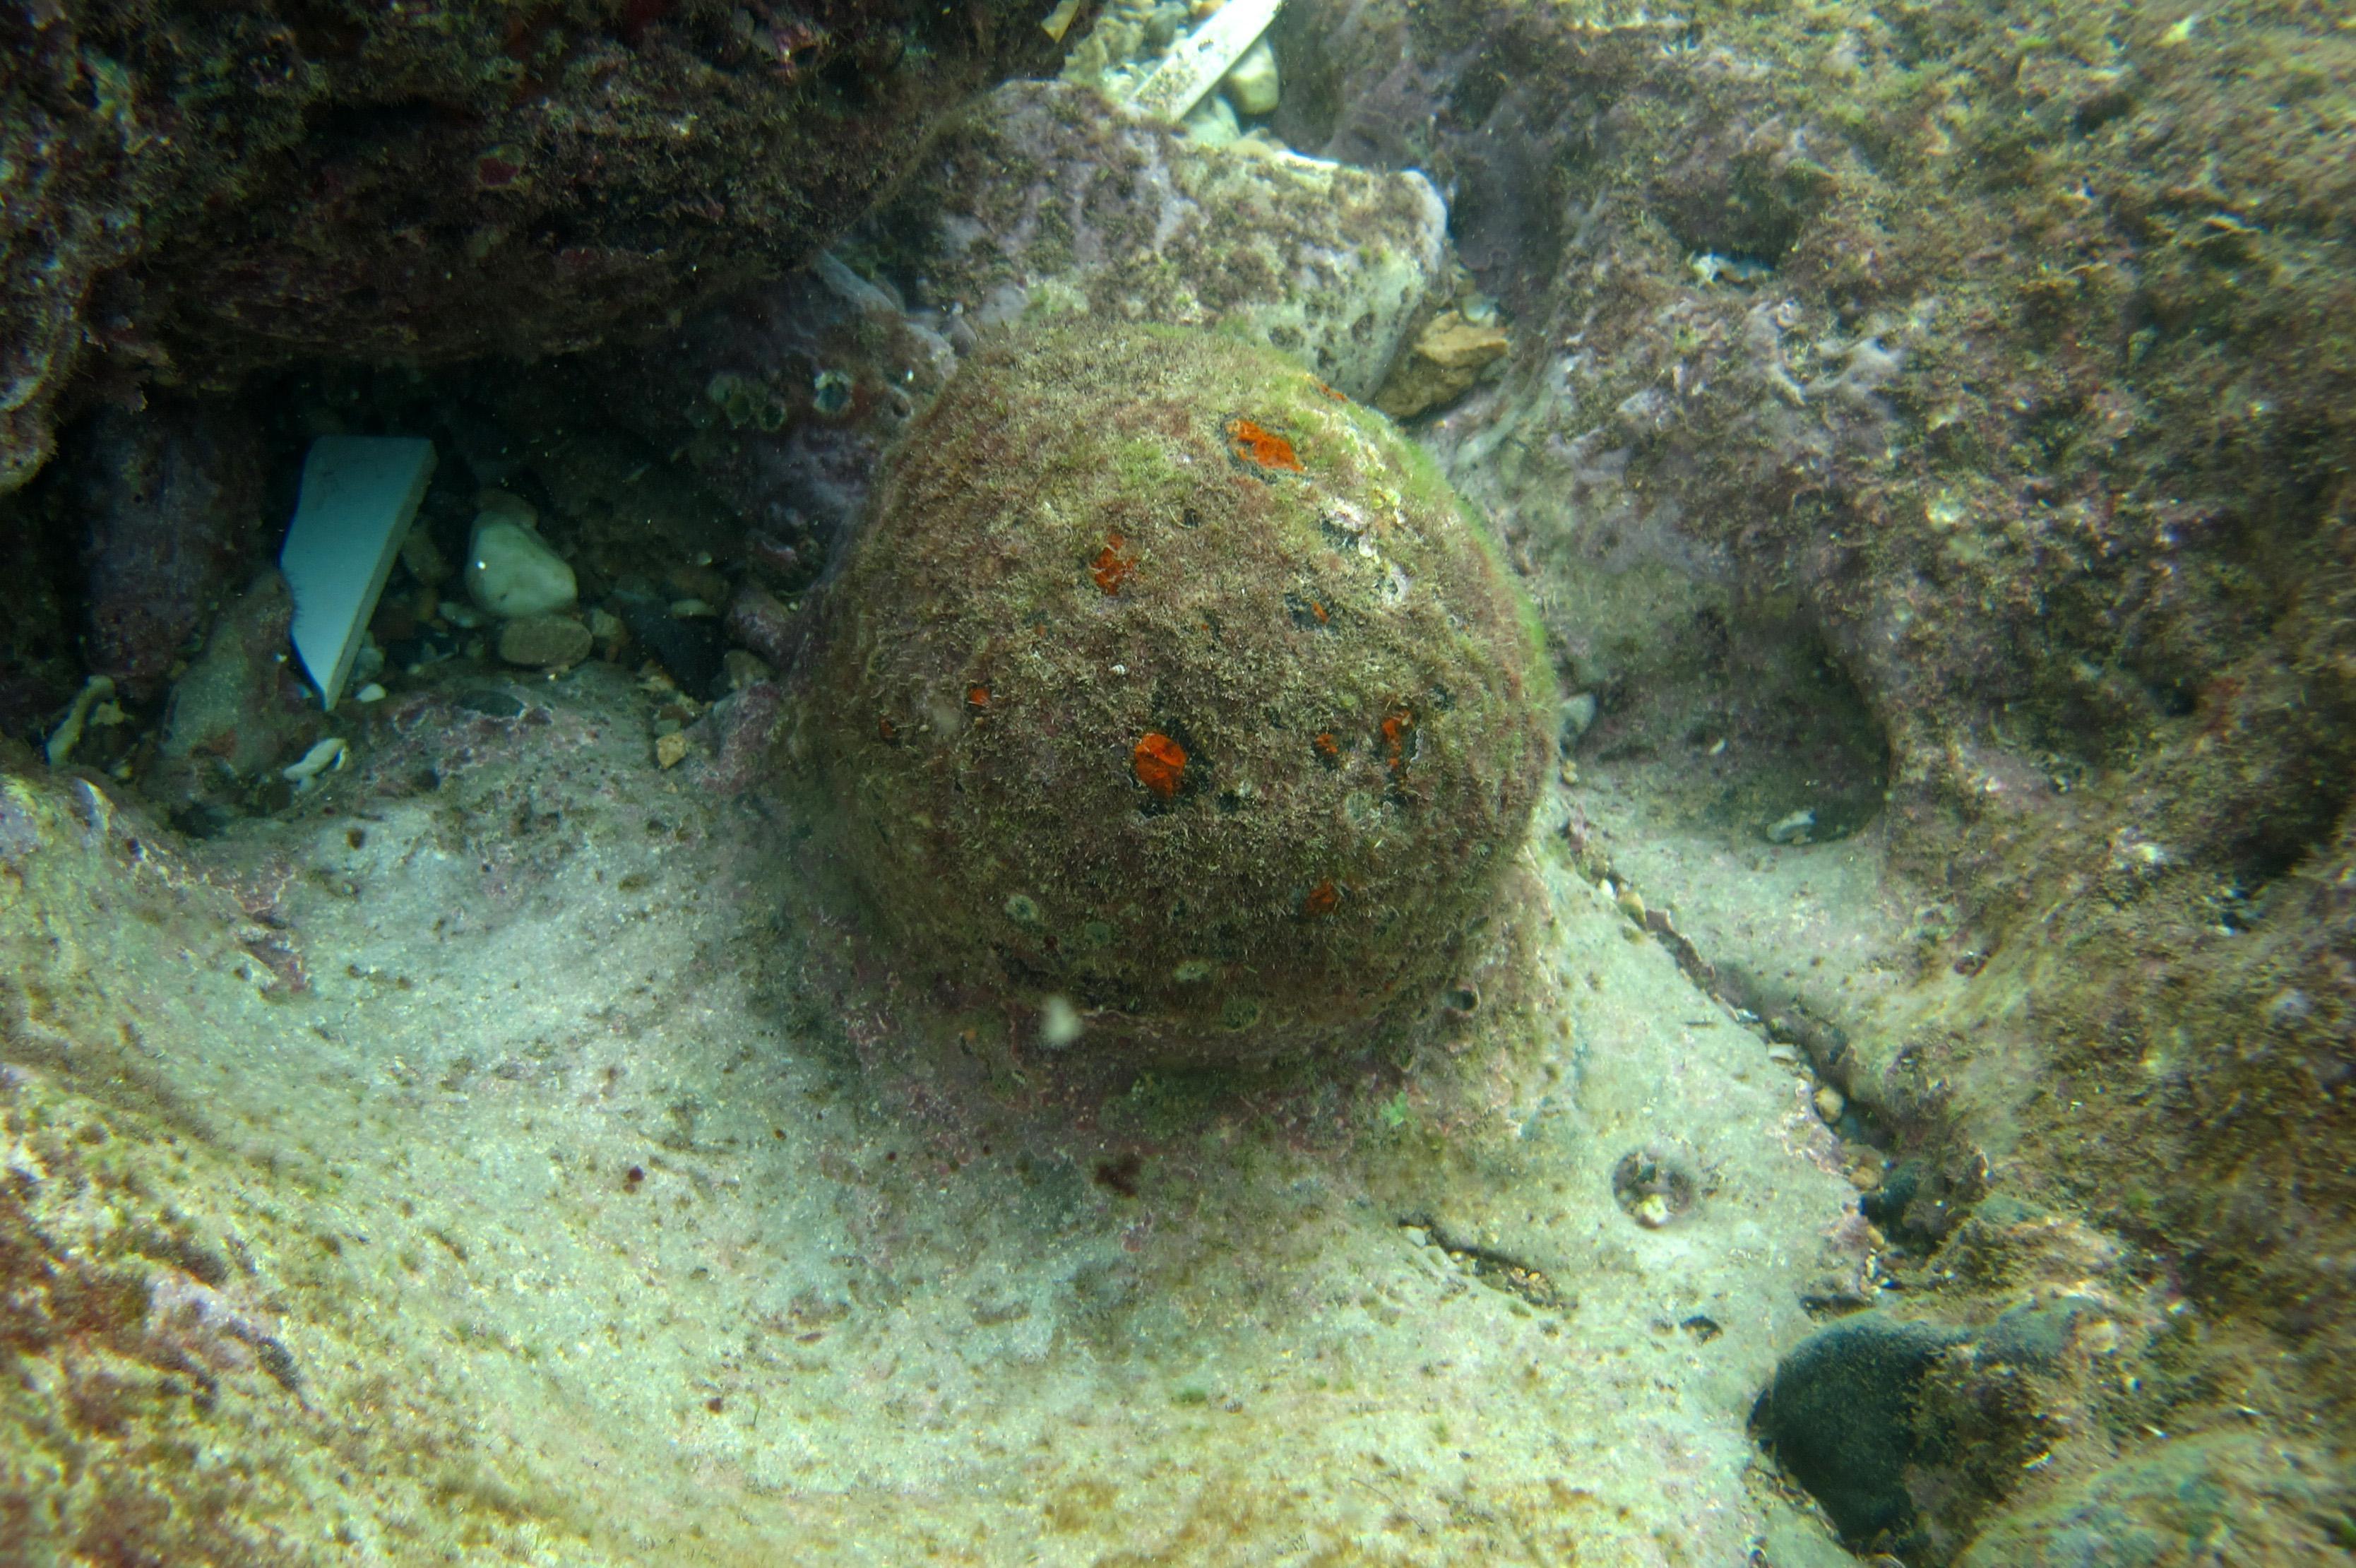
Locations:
(188, 193)
(1927, 428)
(1911, 1126)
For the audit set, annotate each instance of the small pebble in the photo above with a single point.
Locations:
(492, 703)
(1059, 1023)
(544, 641)
(1213, 123)
(423, 558)
(607, 630)
(329, 752)
(510, 570)
(1577, 716)
(671, 749)
(742, 669)
(371, 693)
(1829, 1103)
(1252, 85)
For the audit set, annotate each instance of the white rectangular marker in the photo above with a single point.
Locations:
(358, 495)
(1203, 57)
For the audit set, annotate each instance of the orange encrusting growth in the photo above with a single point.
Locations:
(1323, 899)
(1260, 446)
(1398, 726)
(1111, 568)
(1159, 763)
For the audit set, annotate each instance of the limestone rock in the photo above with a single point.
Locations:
(275, 143)
(1446, 358)
(1048, 195)
(2274, 1501)
(172, 494)
(239, 709)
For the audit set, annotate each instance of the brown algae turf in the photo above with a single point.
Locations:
(1262, 727)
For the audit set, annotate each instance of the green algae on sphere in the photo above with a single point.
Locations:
(1166, 680)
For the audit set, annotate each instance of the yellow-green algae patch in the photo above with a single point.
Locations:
(1163, 642)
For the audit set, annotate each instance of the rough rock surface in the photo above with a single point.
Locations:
(238, 711)
(781, 401)
(1046, 194)
(1166, 680)
(782, 398)
(2197, 1497)
(1953, 402)
(192, 191)
(169, 500)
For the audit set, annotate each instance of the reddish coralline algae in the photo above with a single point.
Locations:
(1255, 444)
(1111, 568)
(1159, 764)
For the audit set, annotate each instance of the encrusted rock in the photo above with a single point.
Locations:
(1908, 1431)
(1441, 366)
(339, 179)
(2171, 1503)
(1168, 680)
(544, 641)
(239, 709)
(172, 495)
(1049, 194)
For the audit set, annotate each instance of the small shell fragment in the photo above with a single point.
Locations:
(330, 753)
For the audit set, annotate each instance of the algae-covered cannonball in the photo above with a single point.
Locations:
(1166, 683)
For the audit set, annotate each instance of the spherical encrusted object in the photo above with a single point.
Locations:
(1167, 681)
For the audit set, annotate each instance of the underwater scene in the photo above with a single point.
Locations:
(1097, 783)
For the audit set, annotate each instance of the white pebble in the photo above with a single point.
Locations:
(329, 752)
(510, 570)
(1251, 86)
(1059, 1023)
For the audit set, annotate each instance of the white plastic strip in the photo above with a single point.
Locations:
(1203, 57)
(358, 495)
